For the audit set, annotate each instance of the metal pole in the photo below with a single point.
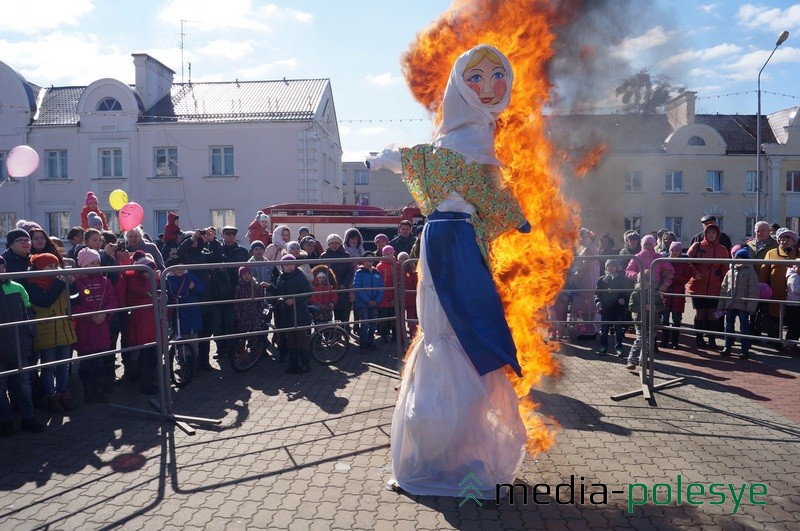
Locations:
(781, 38)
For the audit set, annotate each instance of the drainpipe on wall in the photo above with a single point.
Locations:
(305, 162)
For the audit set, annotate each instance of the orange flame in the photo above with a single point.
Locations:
(589, 160)
(528, 268)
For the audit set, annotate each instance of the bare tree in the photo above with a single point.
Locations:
(644, 94)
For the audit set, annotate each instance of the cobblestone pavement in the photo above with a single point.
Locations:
(312, 452)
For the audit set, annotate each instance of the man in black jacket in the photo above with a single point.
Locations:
(405, 239)
(707, 220)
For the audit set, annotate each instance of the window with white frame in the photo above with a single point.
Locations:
(8, 221)
(165, 162)
(633, 223)
(160, 219)
(633, 181)
(56, 160)
(674, 224)
(110, 163)
(222, 160)
(714, 181)
(344, 177)
(361, 177)
(793, 181)
(109, 104)
(3, 170)
(673, 181)
(750, 224)
(696, 141)
(793, 223)
(222, 217)
(58, 223)
(751, 182)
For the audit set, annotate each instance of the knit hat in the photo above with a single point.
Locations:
(95, 222)
(304, 229)
(287, 257)
(142, 258)
(381, 237)
(90, 197)
(611, 263)
(735, 249)
(333, 238)
(245, 269)
(13, 234)
(260, 216)
(632, 235)
(387, 251)
(40, 261)
(257, 243)
(786, 232)
(87, 256)
(648, 239)
(402, 256)
(27, 225)
(307, 240)
(676, 245)
(742, 253)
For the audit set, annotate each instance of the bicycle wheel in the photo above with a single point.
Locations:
(248, 351)
(182, 366)
(329, 344)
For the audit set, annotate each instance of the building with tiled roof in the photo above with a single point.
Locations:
(213, 152)
(669, 170)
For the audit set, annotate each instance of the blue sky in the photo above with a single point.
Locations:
(714, 48)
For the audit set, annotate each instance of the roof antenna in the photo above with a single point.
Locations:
(190, 73)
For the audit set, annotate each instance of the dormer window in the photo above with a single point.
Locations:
(109, 104)
(696, 141)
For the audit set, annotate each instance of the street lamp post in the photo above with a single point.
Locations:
(781, 38)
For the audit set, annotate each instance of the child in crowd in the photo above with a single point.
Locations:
(368, 284)
(741, 282)
(172, 235)
(295, 290)
(261, 273)
(673, 299)
(611, 298)
(386, 268)
(641, 299)
(95, 294)
(381, 241)
(258, 230)
(324, 295)
(248, 313)
(185, 288)
(91, 204)
(49, 297)
(409, 275)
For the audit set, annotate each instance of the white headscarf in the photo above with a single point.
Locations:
(467, 124)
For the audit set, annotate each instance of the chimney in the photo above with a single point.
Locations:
(153, 79)
(680, 110)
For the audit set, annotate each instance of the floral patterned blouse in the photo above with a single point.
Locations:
(432, 174)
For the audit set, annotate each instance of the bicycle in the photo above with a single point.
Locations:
(250, 349)
(183, 363)
(330, 341)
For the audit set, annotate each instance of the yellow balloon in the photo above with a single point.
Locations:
(118, 199)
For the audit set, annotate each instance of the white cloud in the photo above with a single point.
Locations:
(268, 70)
(211, 15)
(760, 17)
(274, 12)
(708, 8)
(344, 130)
(634, 46)
(746, 67)
(382, 80)
(707, 54)
(43, 15)
(227, 49)
(372, 131)
(355, 156)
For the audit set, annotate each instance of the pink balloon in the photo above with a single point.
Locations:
(764, 291)
(22, 161)
(130, 216)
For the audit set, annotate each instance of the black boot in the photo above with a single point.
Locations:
(675, 339)
(88, 390)
(712, 325)
(294, 362)
(699, 340)
(305, 365)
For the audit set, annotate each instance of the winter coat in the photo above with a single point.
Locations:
(740, 282)
(663, 272)
(191, 317)
(611, 289)
(293, 285)
(15, 307)
(634, 303)
(324, 297)
(152, 249)
(711, 273)
(683, 273)
(16, 263)
(95, 293)
(358, 250)
(52, 302)
(172, 233)
(261, 272)
(387, 270)
(365, 278)
(344, 273)
(249, 314)
(775, 275)
(140, 326)
(232, 254)
(403, 245)
(760, 254)
(257, 233)
(85, 217)
(277, 248)
(792, 286)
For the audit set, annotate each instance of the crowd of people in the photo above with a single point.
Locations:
(720, 292)
(119, 313)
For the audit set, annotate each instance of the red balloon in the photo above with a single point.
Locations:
(22, 161)
(130, 216)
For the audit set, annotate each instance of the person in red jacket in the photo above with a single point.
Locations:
(92, 205)
(674, 301)
(707, 280)
(258, 230)
(386, 268)
(324, 296)
(140, 327)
